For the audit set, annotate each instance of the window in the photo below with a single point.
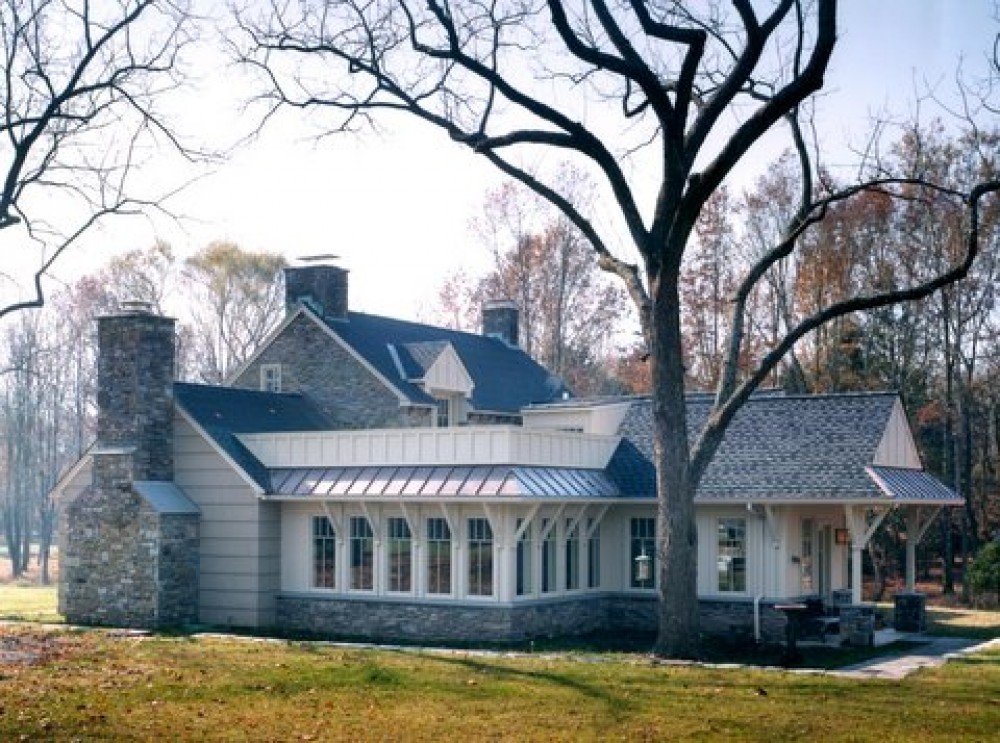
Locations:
(362, 554)
(572, 555)
(593, 555)
(270, 377)
(524, 561)
(732, 555)
(480, 558)
(438, 556)
(642, 566)
(324, 553)
(400, 555)
(548, 556)
(443, 413)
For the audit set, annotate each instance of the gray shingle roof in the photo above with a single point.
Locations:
(809, 447)
(506, 379)
(223, 412)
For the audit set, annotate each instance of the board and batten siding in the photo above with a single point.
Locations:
(897, 447)
(240, 536)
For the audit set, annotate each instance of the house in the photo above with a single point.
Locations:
(368, 477)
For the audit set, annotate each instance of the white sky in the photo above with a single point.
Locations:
(397, 206)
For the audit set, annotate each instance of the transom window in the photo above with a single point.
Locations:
(324, 553)
(732, 553)
(400, 556)
(480, 558)
(642, 565)
(362, 554)
(438, 556)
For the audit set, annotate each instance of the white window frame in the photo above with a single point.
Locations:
(270, 377)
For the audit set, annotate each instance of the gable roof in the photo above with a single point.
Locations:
(223, 412)
(505, 378)
(777, 447)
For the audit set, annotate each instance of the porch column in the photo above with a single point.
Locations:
(862, 521)
(918, 519)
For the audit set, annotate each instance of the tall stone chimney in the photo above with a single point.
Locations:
(321, 287)
(129, 541)
(135, 393)
(500, 320)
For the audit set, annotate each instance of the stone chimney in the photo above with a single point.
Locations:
(135, 393)
(129, 541)
(500, 320)
(319, 286)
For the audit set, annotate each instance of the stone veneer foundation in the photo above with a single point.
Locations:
(427, 621)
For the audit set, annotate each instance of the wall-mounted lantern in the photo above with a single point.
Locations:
(841, 536)
(642, 567)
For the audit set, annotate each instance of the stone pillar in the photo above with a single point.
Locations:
(910, 613)
(857, 624)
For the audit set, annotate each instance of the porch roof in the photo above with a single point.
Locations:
(442, 482)
(912, 486)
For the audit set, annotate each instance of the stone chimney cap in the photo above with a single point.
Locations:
(135, 307)
(500, 304)
(321, 258)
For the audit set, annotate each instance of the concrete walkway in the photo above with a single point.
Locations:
(932, 652)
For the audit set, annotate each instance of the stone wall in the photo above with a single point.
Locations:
(389, 619)
(135, 393)
(122, 563)
(316, 365)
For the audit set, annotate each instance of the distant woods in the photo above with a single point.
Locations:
(232, 298)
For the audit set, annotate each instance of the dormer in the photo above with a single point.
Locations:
(437, 369)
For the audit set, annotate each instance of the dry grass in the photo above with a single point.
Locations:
(95, 685)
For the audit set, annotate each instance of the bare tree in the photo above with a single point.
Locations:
(674, 93)
(238, 299)
(80, 92)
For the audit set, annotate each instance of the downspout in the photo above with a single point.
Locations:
(760, 573)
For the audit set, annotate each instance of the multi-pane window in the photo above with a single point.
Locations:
(642, 532)
(324, 553)
(438, 556)
(270, 377)
(732, 555)
(400, 555)
(362, 554)
(480, 558)
(548, 556)
(443, 413)
(593, 555)
(525, 548)
(572, 555)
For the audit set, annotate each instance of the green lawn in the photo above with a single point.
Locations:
(87, 685)
(94, 685)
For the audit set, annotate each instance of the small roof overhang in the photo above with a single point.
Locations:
(165, 497)
(913, 487)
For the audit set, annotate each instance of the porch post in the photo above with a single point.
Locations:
(918, 519)
(862, 521)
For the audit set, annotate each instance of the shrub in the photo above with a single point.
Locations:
(984, 573)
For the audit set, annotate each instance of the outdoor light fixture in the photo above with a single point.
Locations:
(841, 536)
(642, 567)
